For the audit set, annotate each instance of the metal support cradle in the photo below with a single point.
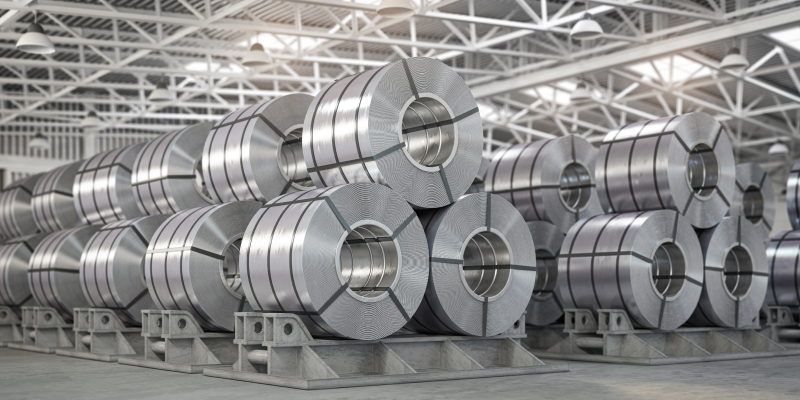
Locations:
(781, 327)
(43, 331)
(100, 335)
(10, 326)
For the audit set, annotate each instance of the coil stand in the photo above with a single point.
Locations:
(781, 327)
(10, 326)
(101, 336)
(43, 331)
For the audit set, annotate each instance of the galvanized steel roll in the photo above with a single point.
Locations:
(735, 283)
(412, 125)
(683, 163)
(112, 273)
(14, 257)
(54, 270)
(167, 174)
(547, 180)
(256, 153)
(350, 260)
(482, 268)
(783, 253)
(754, 197)
(545, 306)
(53, 205)
(16, 211)
(478, 183)
(793, 195)
(102, 187)
(192, 263)
(649, 264)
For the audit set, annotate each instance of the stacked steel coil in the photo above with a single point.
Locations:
(783, 253)
(111, 270)
(482, 268)
(649, 264)
(53, 206)
(478, 183)
(793, 195)
(412, 125)
(167, 175)
(54, 270)
(545, 306)
(192, 263)
(102, 187)
(14, 257)
(547, 180)
(16, 212)
(754, 197)
(683, 163)
(256, 153)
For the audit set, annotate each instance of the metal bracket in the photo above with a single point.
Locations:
(100, 335)
(10, 326)
(780, 326)
(43, 331)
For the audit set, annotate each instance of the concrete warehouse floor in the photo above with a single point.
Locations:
(25, 375)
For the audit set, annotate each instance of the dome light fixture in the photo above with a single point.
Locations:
(161, 93)
(395, 9)
(581, 93)
(778, 148)
(91, 120)
(734, 60)
(35, 41)
(256, 57)
(39, 141)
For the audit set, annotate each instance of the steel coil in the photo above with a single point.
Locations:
(14, 257)
(52, 202)
(412, 125)
(478, 183)
(735, 283)
(192, 263)
(783, 253)
(683, 163)
(547, 180)
(482, 268)
(167, 175)
(54, 270)
(256, 153)
(754, 198)
(102, 187)
(545, 306)
(16, 212)
(350, 260)
(112, 273)
(649, 264)
(793, 195)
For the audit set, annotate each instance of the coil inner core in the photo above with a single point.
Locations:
(546, 273)
(702, 170)
(229, 268)
(575, 186)
(428, 132)
(291, 162)
(753, 204)
(668, 270)
(369, 260)
(199, 181)
(487, 263)
(738, 271)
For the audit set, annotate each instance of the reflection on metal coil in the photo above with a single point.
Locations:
(14, 257)
(53, 207)
(793, 195)
(16, 212)
(256, 153)
(102, 188)
(683, 163)
(192, 263)
(482, 268)
(783, 252)
(735, 281)
(167, 175)
(478, 183)
(351, 260)
(412, 125)
(649, 264)
(754, 197)
(547, 180)
(112, 273)
(54, 270)
(545, 305)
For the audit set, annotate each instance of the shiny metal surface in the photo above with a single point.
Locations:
(54, 270)
(411, 125)
(478, 183)
(649, 264)
(256, 153)
(102, 187)
(547, 180)
(545, 306)
(482, 268)
(783, 251)
(53, 207)
(112, 267)
(683, 163)
(192, 263)
(14, 257)
(754, 198)
(351, 260)
(735, 281)
(167, 175)
(793, 195)
(16, 211)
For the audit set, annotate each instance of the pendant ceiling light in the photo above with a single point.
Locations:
(91, 120)
(586, 28)
(35, 41)
(160, 93)
(256, 57)
(734, 60)
(581, 93)
(395, 9)
(778, 148)
(39, 141)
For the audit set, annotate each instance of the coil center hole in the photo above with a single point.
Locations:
(428, 132)
(487, 264)
(738, 271)
(753, 204)
(668, 270)
(575, 186)
(702, 170)
(369, 259)
(546, 273)
(229, 269)
(199, 181)
(291, 162)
